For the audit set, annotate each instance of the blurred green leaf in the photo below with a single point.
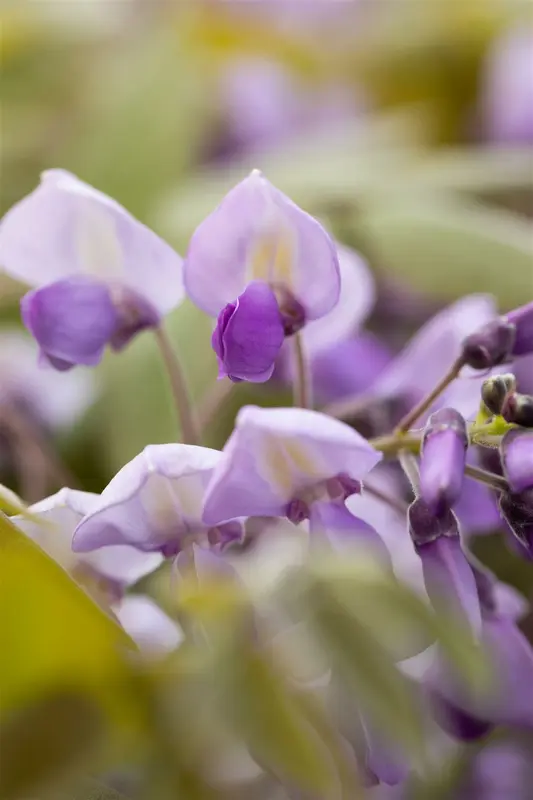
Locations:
(11, 504)
(42, 742)
(451, 248)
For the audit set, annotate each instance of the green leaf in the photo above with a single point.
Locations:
(36, 752)
(451, 248)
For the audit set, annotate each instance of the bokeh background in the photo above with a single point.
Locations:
(405, 125)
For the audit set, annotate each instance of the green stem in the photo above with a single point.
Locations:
(430, 398)
(488, 478)
(178, 384)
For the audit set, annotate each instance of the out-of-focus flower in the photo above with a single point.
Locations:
(155, 503)
(278, 461)
(507, 89)
(443, 459)
(331, 521)
(500, 771)
(54, 400)
(100, 275)
(501, 339)
(258, 235)
(154, 633)
(109, 570)
(517, 459)
(249, 335)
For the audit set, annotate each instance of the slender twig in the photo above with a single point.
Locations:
(213, 400)
(488, 478)
(189, 429)
(416, 412)
(390, 445)
(394, 502)
(301, 376)
(349, 406)
(409, 464)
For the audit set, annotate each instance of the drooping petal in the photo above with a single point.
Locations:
(151, 629)
(333, 522)
(443, 458)
(257, 233)
(383, 760)
(153, 503)
(274, 454)
(65, 227)
(58, 517)
(249, 335)
(433, 350)
(55, 399)
(517, 459)
(72, 320)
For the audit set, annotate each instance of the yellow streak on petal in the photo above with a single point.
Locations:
(272, 258)
(283, 462)
(97, 243)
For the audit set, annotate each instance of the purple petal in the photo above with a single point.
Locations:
(275, 453)
(517, 459)
(433, 350)
(477, 509)
(456, 721)
(449, 579)
(65, 227)
(443, 459)
(382, 759)
(153, 503)
(72, 320)
(349, 367)
(249, 335)
(257, 233)
(345, 532)
(522, 319)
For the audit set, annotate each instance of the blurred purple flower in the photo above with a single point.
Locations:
(154, 633)
(507, 88)
(517, 459)
(100, 275)
(155, 503)
(113, 569)
(249, 335)
(332, 522)
(279, 457)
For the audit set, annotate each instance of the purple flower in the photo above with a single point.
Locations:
(100, 276)
(333, 522)
(507, 90)
(517, 511)
(154, 633)
(500, 339)
(517, 459)
(110, 570)
(249, 335)
(155, 503)
(448, 576)
(258, 234)
(443, 459)
(276, 457)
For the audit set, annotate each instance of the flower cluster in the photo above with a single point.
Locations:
(267, 270)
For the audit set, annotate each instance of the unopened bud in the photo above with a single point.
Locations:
(522, 319)
(518, 408)
(495, 390)
(442, 461)
(489, 346)
(517, 459)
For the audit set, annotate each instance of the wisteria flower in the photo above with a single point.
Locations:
(100, 276)
(155, 503)
(278, 461)
(257, 234)
(111, 569)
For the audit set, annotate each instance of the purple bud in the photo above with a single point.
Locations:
(518, 408)
(495, 391)
(490, 345)
(425, 527)
(455, 721)
(522, 319)
(517, 459)
(443, 459)
(517, 510)
(248, 335)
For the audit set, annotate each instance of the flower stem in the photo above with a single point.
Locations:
(215, 397)
(393, 502)
(178, 384)
(409, 465)
(488, 478)
(302, 390)
(416, 412)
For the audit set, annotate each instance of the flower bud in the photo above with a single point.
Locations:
(518, 408)
(248, 335)
(517, 510)
(495, 391)
(517, 459)
(489, 346)
(522, 319)
(443, 459)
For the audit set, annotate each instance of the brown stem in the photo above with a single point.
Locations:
(302, 390)
(178, 384)
(430, 398)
